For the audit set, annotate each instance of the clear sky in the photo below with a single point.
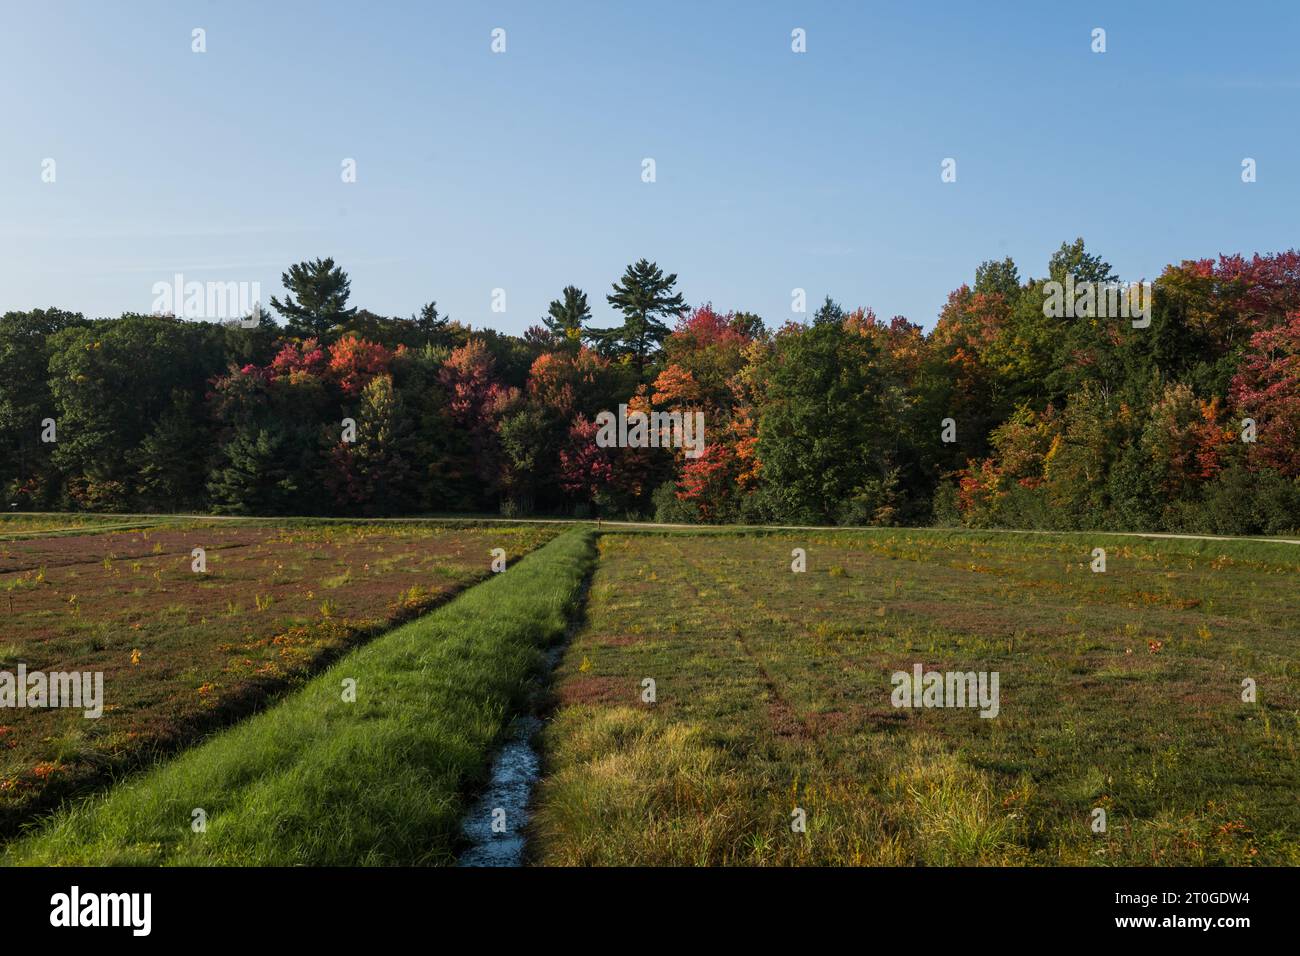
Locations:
(522, 170)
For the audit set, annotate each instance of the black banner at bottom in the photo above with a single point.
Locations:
(334, 905)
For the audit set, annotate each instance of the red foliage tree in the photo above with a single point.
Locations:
(354, 362)
(605, 476)
(1267, 389)
(567, 382)
(586, 469)
(305, 358)
(477, 401)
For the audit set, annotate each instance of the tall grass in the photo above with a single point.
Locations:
(317, 780)
(631, 788)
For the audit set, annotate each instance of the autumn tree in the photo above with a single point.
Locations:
(477, 400)
(375, 471)
(1267, 390)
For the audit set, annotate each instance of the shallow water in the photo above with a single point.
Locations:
(514, 771)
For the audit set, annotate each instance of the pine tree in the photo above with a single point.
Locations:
(322, 290)
(255, 476)
(829, 312)
(645, 296)
(566, 317)
(169, 465)
(432, 325)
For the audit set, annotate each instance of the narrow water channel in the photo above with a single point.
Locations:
(515, 771)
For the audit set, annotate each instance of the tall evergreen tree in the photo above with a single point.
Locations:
(645, 297)
(1073, 259)
(566, 317)
(322, 291)
(257, 473)
(431, 324)
(829, 313)
(168, 462)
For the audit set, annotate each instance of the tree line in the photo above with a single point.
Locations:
(1001, 415)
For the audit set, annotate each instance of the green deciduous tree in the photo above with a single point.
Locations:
(823, 435)
(375, 472)
(30, 479)
(111, 382)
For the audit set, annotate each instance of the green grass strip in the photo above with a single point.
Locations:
(319, 781)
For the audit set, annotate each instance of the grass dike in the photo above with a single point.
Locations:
(321, 780)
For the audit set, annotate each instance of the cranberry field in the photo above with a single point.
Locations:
(738, 697)
(1148, 713)
(184, 651)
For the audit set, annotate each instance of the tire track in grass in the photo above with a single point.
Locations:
(719, 779)
(784, 705)
(73, 532)
(619, 773)
(812, 740)
(780, 699)
(785, 710)
(821, 785)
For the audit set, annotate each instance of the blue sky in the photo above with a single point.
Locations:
(522, 170)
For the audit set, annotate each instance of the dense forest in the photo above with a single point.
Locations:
(1002, 415)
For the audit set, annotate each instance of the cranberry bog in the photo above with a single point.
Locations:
(196, 623)
(747, 696)
(380, 773)
(750, 699)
